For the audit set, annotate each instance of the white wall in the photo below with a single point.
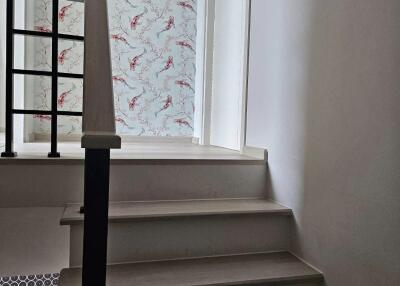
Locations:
(228, 69)
(325, 101)
(32, 241)
(19, 57)
(2, 62)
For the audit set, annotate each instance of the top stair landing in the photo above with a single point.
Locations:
(162, 151)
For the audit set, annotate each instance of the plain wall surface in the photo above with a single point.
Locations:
(325, 101)
(2, 63)
(32, 241)
(19, 60)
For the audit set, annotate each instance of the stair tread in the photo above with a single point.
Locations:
(125, 211)
(246, 269)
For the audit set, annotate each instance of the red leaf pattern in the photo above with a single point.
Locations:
(153, 58)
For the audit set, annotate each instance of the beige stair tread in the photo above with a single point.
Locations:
(247, 269)
(125, 211)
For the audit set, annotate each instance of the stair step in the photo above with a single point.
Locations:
(129, 211)
(132, 180)
(280, 268)
(190, 228)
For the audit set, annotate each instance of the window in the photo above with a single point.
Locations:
(153, 49)
(179, 67)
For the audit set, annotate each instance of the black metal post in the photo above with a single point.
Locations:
(97, 174)
(54, 81)
(9, 152)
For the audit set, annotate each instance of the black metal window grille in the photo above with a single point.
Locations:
(54, 74)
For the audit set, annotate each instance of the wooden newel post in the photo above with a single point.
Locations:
(98, 138)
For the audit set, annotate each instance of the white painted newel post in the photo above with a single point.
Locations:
(99, 137)
(98, 100)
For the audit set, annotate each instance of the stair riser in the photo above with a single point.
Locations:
(45, 184)
(189, 237)
(284, 284)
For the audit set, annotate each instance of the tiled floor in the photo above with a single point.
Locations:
(30, 280)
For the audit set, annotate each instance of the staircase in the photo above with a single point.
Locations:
(177, 222)
(211, 225)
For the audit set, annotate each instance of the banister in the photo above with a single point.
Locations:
(53, 74)
(99, 136)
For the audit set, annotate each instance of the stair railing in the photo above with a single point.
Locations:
(54, 74)
(99, 136)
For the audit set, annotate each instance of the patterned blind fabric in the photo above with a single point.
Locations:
(153, 50)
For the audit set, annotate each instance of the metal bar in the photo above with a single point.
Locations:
(31, 72)
(32, 112)
(54, 81)
(69, 113)
(70, 75)
(46, 112)
(9, 152)
(46, 73)
(32, 33)
(97, 172)
(47, 34)
(71, 37)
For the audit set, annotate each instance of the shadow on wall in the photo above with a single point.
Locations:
(332, 130)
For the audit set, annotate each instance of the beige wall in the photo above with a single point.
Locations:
(325, 100)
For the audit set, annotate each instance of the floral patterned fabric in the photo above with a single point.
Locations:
(153, 58)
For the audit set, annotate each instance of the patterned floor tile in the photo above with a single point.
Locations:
(31, 280)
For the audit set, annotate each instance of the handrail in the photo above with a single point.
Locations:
(99, 136)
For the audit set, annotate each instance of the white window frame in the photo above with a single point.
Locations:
(209, 49)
